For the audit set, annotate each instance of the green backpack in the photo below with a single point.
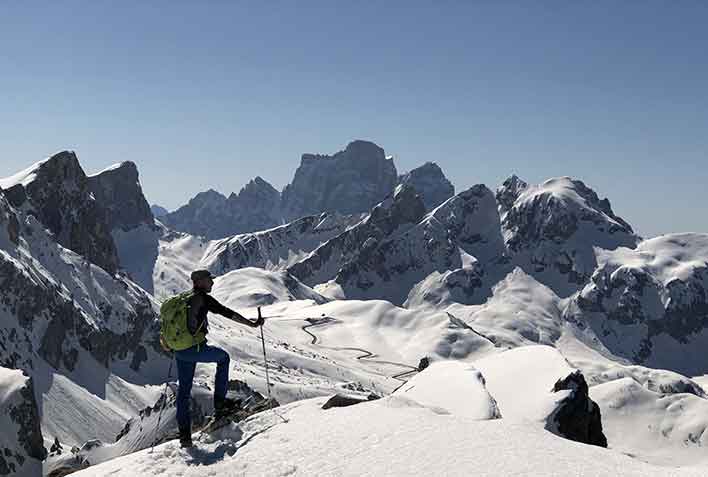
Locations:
(173, 323)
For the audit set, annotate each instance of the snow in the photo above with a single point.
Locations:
(669, 429)
(389, 437)
(470, 398)
(669, 257)
(249, 287)
(521, 381)
(24, 177)
(11, 381)
(109, 169)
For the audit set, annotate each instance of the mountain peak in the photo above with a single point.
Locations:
(430, 181)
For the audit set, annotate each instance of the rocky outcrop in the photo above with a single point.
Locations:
(21, 441)
(340, 400)
(430, 183)
(577, 417)
(508, 192)
(117, 189)
(213, 216)
(58, 193)
(349, 182)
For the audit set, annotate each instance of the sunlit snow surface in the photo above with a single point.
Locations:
(393, 436)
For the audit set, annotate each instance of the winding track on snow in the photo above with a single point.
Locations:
(365, 354)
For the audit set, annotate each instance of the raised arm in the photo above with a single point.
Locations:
(218, 308)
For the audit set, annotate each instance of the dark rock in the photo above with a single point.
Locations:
(577, 417)
(403, 208)
(509, 191)
(56, 447)
(213, 216)
(430, 183)
(118, 191)
(339, 400)
(60, 197)
(349, 182)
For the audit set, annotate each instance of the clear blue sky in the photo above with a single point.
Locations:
(210, 94)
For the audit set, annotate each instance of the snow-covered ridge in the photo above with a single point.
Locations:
(442, 425)
(24, 177)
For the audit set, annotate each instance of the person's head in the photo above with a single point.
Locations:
(202, 280)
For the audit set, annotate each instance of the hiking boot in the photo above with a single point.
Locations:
(225, 406)
(185, 438)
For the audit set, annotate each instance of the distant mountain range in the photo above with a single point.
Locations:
(84, 264)
(348, 182)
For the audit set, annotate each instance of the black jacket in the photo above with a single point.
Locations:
(199, 305)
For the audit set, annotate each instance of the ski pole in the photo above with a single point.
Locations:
(164, 402)
(265, 360)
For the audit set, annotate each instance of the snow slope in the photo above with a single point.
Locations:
(393, 436)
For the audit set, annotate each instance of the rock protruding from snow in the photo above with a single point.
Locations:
(650, 304)
(468, 397)
(213, 216)
(551, 230)
(577, 417)
(349, 182)
(521, 380)
(21, 442)
(58, 193)
(430, 182)
(117, 189)
(508, 192)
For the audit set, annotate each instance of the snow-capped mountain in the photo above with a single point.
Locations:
(349, 182)
(650, 304)
(430, 183)
(118, 191)
(83, 335)
(551, 230)
(58, 192)
(526, 318)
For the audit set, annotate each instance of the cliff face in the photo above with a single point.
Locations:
(349, 182)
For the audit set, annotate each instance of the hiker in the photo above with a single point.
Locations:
(196, 350)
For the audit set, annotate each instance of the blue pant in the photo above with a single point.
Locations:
(186, 362)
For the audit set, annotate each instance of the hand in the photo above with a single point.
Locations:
(259, 322)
